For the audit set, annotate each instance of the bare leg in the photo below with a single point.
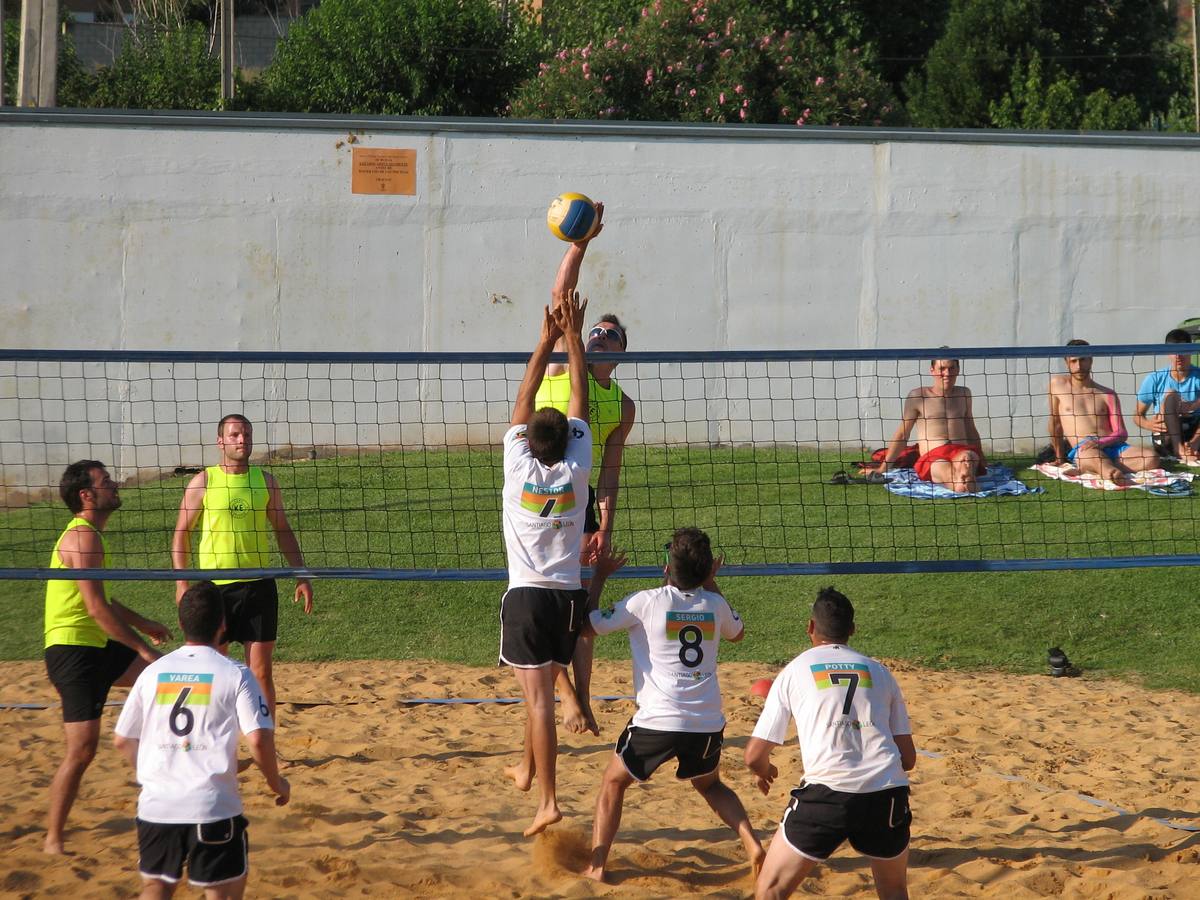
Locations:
(1170, 413)
(608, 815)
(581, 664)
(233, 890)
(891, 877)
(522, 773)
(1091, 459)
(1137, 458)
(573, 716)
(259, 656)
(782, 870)
(81, 739)
(725, 803)
(155, 889)
(538, 687)
(957, 475)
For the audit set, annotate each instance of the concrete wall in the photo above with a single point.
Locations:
(241, 233)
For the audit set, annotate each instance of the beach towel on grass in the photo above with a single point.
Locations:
(998, 482)
(1158, 482)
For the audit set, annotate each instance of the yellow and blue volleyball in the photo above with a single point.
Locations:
(572, 217)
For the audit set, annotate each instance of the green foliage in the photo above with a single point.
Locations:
(1038, 103)
(162, 70)
(75, 84)
(574, 23)
(709, 61)
(400, 57)
(1108, 65)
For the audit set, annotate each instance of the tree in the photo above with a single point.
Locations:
(161, 69)
(709, 61)
(1039, 103)
(74, 82)
(1120, 47)
(401, 57)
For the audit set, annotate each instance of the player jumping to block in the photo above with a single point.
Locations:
(547, 459)
(951, 451)
(674, 634)
(611, 415)
(239, 508)
(856, 746)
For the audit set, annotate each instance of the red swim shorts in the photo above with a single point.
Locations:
(947, 452)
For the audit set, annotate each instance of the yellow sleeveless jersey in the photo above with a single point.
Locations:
(604, 406)
(67, 619)
(234, 531)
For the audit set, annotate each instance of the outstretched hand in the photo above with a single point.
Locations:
(304, 592)
(569, 312)
(551, 330)
(607, 560)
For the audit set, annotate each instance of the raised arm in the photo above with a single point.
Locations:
(568, 316)
(535, 369)
(566, 279)
(189, 514)
(289, 546)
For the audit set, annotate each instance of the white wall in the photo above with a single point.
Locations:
(243, 234)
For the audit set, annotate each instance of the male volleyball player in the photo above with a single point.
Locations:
(179, 730)
(951, 451)
(856, 746)
(547, 459)
(611, 415)
(1168, 404)
(239, 507)
(90, 640)
(674, 634)
(1086, 425)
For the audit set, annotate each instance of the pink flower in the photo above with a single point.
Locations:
(800, 121)
(670, 69)
(807, 112)
(742, 113)
(820, 80)
(737, 89)
(745, 103)
(785, 112)
(587, 70)
(692, 92)
(721, 99)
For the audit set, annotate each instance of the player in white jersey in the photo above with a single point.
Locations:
(179, 730)
(674, 633)
(856, 746)
(547, 459)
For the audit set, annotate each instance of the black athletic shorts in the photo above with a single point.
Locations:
(590, 523)
(1162, 441)
(818, 819)
(251, 610)
(83, 675)
(643, 750)
(215, 852)
(539, 626)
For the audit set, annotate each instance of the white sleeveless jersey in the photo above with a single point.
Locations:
(544, 509)
(847, 708)
(673, 640)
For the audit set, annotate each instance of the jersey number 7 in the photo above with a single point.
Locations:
(848, 678)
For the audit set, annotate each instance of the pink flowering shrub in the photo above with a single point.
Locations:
(708, 61)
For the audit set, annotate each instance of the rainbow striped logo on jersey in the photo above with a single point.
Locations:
(173, 685)
(828, 675)
(548, 501)
(705, 622)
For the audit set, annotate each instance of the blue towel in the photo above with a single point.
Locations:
(998, 482)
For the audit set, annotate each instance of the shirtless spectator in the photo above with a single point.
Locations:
(1086, 425)
(951, 452)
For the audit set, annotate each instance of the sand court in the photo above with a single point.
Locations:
(1027, 786)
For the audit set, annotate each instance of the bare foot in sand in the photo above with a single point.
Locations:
(53, 846)
(520, 776)
(595, 873)
(543, 820)
(575, 718)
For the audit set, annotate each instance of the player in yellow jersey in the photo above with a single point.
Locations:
(611, 415)
(240, 508)
(90, 640)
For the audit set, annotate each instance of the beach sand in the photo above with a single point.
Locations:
(395, 800)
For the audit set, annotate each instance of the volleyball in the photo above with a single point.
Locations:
(572, 217)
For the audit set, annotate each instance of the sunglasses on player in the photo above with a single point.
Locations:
(610, 333)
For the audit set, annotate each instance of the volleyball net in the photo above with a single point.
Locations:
(390, 464)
